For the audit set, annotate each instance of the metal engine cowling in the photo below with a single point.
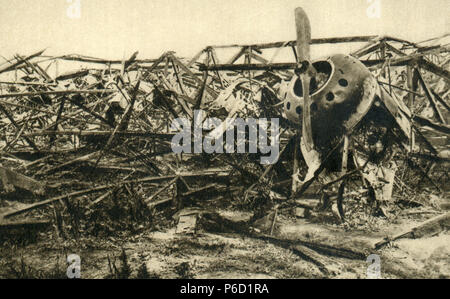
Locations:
(341, 95)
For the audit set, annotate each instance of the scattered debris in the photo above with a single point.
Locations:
(93, 146)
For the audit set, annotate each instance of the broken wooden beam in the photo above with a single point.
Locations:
(11, 179)
(318, 247)
(431, 67)
(30, 207)
(149, 202)
(248, 67)
(18, 63)
(314, 41)
(27, 224)
(291, 65)
(430, 227)
(440, 100)
(72, 75)
(430, 97)
(56, 92)
(81, 58)
(12, 120)
(100, 133)
(428, 123)
(190, 73)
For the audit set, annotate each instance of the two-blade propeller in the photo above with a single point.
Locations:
(305, 71)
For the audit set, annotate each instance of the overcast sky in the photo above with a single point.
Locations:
(116, 28)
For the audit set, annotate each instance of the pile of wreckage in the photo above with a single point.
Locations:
(80, 138)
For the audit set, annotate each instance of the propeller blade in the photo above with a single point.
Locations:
(303, 35)
(303, 53)
(307, 128)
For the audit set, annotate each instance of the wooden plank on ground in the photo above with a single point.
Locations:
(11, 179)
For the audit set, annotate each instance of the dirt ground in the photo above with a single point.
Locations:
(232, 255)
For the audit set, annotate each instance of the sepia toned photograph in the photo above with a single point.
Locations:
(205, 140)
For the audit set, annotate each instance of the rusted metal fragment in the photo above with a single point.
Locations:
(11, 179)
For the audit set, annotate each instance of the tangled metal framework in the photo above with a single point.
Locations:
(117, 117)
